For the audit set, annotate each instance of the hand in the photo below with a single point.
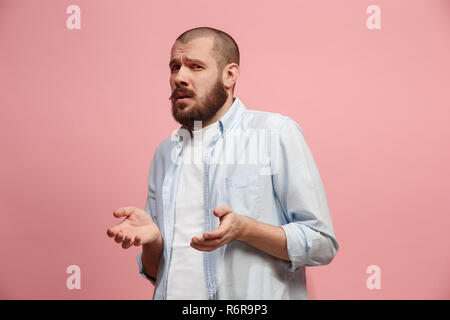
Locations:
(137, 228)
(230, 228)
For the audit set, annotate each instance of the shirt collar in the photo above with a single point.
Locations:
(228, 120)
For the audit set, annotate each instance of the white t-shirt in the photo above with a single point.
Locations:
(186, 276)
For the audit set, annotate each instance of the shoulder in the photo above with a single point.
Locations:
(257, 119)
(164, 150)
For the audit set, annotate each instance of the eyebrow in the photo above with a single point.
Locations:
(174, 60)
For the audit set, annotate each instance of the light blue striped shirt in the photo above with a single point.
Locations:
(260, 165)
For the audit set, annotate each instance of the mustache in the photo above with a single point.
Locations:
(183, 91)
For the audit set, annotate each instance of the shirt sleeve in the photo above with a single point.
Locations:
(150, 208)
(297, 184)
(141, 269)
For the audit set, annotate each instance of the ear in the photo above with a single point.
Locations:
(230, 75)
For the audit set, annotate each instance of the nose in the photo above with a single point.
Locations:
(181, 77)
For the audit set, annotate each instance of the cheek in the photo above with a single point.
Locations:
(172, 82)
(205, 87)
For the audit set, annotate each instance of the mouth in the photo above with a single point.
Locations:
(182, 98)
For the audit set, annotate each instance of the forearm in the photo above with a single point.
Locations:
(151, 256)
(265, 237)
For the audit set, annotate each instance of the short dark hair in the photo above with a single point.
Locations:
(225, 48)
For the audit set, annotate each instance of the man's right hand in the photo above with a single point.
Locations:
(136, 229)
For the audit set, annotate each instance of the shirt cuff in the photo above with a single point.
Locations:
(141, 269)
(297, 246)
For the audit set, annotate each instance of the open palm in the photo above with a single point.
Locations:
(136, 229)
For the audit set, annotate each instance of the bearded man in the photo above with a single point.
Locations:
(219, 223)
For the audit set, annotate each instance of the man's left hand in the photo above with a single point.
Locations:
(230, 228)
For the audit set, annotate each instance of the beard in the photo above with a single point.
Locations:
(201, 110)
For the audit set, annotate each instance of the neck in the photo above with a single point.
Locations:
(221, 111)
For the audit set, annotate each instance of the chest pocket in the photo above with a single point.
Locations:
(243, 194)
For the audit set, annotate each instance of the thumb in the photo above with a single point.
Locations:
(219, 212)
(123, 212)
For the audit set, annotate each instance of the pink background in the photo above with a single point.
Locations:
(82, 112)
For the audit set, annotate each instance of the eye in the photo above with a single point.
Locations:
(197, 66)
(175, 67)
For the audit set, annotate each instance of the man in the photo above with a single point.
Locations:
(236, 208)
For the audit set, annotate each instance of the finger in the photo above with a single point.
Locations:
(127, 242)
(110, 233)
(209, 243)
(137, 241)
(199, 240)
(219, 232)
(119, 237)
(123, 212)
(203, 248)
(221, 211)
(215, 243)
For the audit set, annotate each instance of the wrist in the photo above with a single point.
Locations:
(155, 240)
(243, 227)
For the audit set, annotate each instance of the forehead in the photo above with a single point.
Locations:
(199, 48)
